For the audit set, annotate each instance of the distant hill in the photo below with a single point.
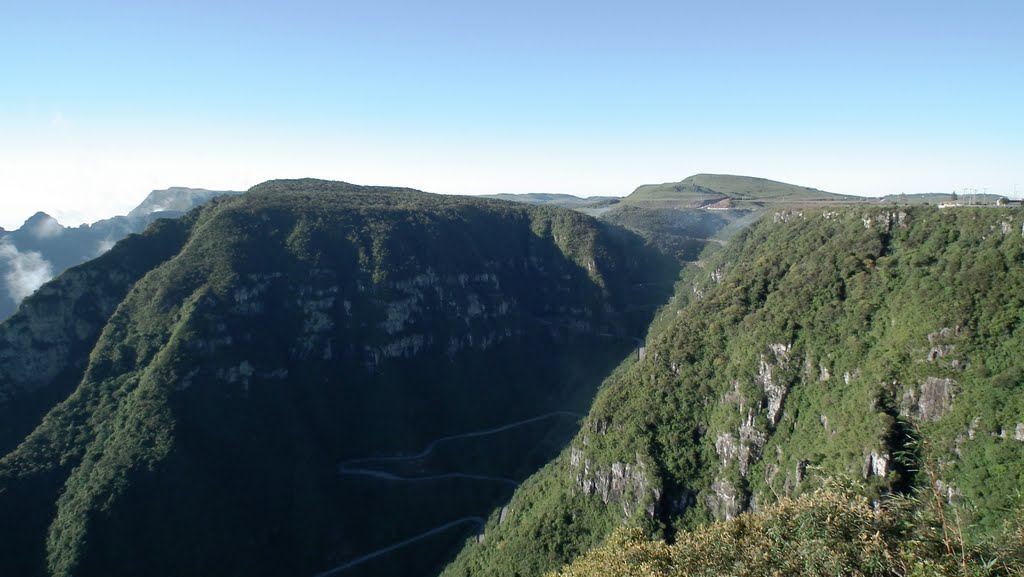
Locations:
(42, 248)
(941, 198)
(562, 200)
(680, 218)
(706, 190)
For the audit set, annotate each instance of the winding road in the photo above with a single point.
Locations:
(434, 444)
(385, 476)
(364, 467)
(478, 521)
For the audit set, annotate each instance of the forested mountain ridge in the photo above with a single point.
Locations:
(250, 404)
(874, 344)
(45, 346)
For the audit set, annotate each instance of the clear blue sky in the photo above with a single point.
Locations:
(103, 101)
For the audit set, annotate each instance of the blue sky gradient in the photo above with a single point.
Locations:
(103, 101)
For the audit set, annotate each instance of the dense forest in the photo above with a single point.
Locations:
(215, 408)
(316, 378)
(874, 346)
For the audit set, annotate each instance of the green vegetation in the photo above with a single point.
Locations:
(859, 342)
(939, 198)
(679, 232)
(218, 371)
(562, 200)
(824, 533)
(681, 219)
(295, 327)
(708, 189)
(45, 346)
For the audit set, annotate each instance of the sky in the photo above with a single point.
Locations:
(104, 101)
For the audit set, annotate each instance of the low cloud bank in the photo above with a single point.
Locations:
(104, 245)
(26, 271)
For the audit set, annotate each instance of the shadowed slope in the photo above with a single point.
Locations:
(300, 325)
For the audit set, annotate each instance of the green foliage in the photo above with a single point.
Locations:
(560, 200)
(63, 330)
(679, 232)
(294, 327)
(824, 533)
(703, 189)
(810, 347)
(276, 334)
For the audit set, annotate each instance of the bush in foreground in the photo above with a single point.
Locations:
(828, 533)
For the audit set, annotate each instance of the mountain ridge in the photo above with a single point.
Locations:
(384, 337)
(819, 344)
(707, 189)
(318, 376)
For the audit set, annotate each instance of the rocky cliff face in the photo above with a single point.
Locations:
(288, 332)
(817, 345)
(44, 348)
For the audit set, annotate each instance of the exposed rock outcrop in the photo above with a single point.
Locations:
(744, 451)
(930, 401)
(940, 346)
(885, 220)
(877, 464)
(775, 391)
(724, 501)
(624, 483)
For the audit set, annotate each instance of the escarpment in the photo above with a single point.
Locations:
(210, 402)
(867, 345)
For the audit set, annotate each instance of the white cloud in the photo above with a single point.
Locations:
(46, 228)
(104, 245)
(26, 271)
(157, 208)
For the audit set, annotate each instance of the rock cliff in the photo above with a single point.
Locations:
(199, 388)
(857, 344)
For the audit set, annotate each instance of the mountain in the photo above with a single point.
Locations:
(43, 248)
(316, 378)
(725, 191)
(175, 199)
(876, 348)
(290, 381)
(586, 204)
(683, 218)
